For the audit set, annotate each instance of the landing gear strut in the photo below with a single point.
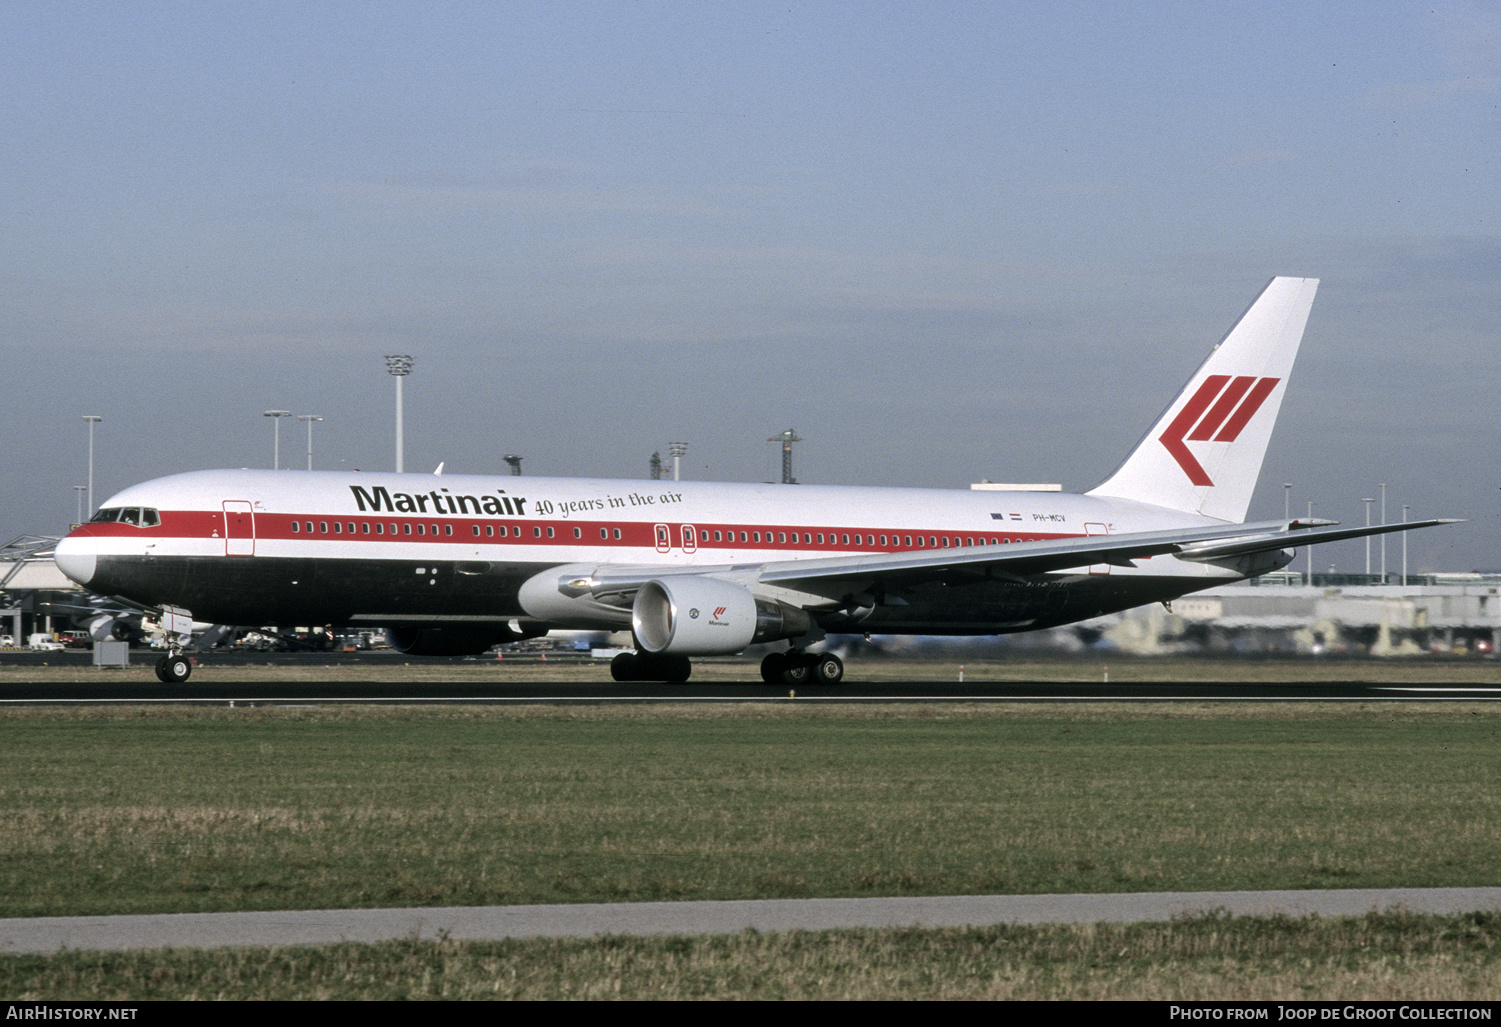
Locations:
(173, 669)
(799, 668)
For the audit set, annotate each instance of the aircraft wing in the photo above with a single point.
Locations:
(838, 576)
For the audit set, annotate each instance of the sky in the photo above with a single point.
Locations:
(944, 241)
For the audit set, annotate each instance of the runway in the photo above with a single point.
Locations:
(218, 690)
(585, 920)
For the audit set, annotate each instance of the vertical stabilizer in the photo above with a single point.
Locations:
(1204, 453)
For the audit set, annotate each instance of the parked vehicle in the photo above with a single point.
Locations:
(43, 641)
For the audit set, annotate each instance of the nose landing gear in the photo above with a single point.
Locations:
(173, 669)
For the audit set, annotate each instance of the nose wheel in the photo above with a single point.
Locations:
(173, 669)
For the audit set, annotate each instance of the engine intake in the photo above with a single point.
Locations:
(695, 616)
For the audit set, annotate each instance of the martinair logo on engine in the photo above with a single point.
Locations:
(379, 500)
(1235, 401)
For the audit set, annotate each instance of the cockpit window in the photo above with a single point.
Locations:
(137, 516)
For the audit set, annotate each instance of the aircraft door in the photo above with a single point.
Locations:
(690, 538)
(664, 539)
(239, 528)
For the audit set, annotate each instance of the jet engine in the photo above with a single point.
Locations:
(452, 641)
(698, 616)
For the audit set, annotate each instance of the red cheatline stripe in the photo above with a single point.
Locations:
(1247, 410)
(1221, 409)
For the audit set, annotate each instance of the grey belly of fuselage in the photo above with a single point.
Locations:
(272, 590)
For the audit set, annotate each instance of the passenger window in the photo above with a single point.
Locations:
(421, 529)
(536, 532)
(338, 528)
(617, 533)
(550, 533)
(323, 527)
(364, 527)
(578, 532)
(448, 529)
(295, 527)
(406, 529)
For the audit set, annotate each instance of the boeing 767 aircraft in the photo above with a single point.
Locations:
(453, 564)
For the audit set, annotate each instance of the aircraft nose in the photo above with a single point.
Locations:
(76, 558)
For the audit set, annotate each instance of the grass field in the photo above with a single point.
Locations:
(187, 809)
(1388, 957)
(158, 809)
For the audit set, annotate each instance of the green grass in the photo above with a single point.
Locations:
(1375, 957)
(134, 810)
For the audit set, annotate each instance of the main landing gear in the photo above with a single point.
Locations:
(793, 667)
(173, 669)
(799, 668)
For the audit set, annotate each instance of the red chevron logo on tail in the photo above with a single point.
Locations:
(1217, 412)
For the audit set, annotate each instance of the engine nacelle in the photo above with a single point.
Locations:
(451, 641)
(697, 616)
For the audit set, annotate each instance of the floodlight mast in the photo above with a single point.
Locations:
(677, 450)
(309, 418)
(787, 438)
(398, 365)
(276, 416)
(91, 419)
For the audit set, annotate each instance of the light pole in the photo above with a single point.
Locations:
(1287, 491)
(1404, 547)
(1310, 548)
(1368, 503)
(678, 450)
(92, 420)
(1383, 534)
(276, 416)
(78, 490)
(309, 418)
(398, 365)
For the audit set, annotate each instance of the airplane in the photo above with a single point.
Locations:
(454, 564)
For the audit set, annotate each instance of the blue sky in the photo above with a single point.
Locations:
(946, 241)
